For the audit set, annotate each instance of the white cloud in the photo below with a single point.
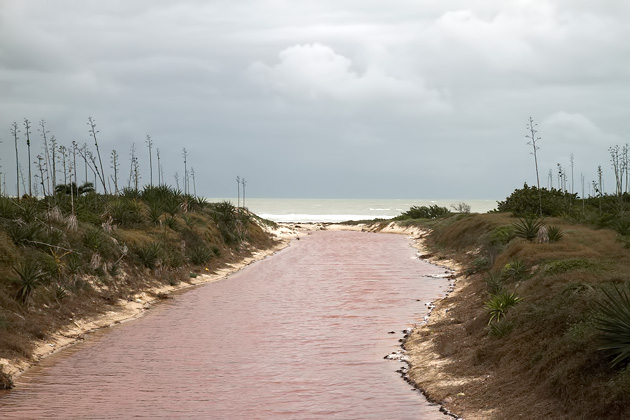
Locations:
(316, 73)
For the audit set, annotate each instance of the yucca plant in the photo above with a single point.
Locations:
(500, 304)
(500, 329)
(150, 254)
(613, 324)
(29, 277)
(555, 233)
(528, 227)
(513, 269)
(493, 283)
(200, 254)
(154, 212)
(22, 234)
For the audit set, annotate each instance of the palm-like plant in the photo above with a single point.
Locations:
(613, 323)
(29, 277)
(500, 304)
(555, 233)
(528, 227)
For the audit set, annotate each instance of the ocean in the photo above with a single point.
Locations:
(340, 210)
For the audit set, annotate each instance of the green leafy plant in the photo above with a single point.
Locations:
(528, 227)
(29, 277)
(93, 238)
(494, 284)
(554, 233)
(150, 254)
(500, 304)
(500, 329)
(613, 324)
(513, 269)
(424, 212)
(200, 254)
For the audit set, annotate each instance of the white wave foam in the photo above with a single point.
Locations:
(330, 218)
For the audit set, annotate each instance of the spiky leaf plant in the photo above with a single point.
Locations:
(527, 227)
(500, 304)
(555, 233)
(29, 277)
(613, 324)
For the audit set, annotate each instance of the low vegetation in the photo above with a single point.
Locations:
(540, 328)
(64, 257)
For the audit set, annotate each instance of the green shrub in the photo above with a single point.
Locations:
(500, 304)
(8, 208)
(494, 285)
(562, 266)
(93, 238)
(149, 254)
(622, 226)
(502, 235)
(527, 200)
(613, 324)
(199, 254)
(478, 264)
(171, 222)
(424, 212)
(126, 211)
(22, 234)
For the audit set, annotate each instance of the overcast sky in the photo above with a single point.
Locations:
(343, 98)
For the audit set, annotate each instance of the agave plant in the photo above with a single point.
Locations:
(528, 227)
(555, 233)
(613, 324)
(500, 304)
(29, 277)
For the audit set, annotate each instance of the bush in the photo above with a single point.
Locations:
(149, 254)
(502, 235)
(424, 212)
(527, 200)
(200, 254)
(461, 208)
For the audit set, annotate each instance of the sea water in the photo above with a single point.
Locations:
(340, 210)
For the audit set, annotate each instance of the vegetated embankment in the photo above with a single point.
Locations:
(67, 268)
(521, 336)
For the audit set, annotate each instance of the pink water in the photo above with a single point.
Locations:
(301, 335)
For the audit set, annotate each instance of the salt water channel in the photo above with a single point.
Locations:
(300, 335)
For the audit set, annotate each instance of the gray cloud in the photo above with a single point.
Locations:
(330, 99)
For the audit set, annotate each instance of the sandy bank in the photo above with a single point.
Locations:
(137, 306)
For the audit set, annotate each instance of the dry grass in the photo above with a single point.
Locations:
(548, 365)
